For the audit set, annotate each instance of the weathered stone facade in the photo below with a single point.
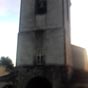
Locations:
(44, 43)
(44, 35)
(54, 75)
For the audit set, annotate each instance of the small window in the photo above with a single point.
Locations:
(40, 7)
(39, 60)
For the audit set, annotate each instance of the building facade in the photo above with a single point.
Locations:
(44, 51)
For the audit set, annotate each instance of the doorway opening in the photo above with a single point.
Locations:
(8, 86)
(39, 82)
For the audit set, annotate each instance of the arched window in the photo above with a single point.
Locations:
(40, 6)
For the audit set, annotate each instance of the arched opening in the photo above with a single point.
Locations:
(8, 86)
(39, 82)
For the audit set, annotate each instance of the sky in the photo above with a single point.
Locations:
(9, 25)
(79, 23)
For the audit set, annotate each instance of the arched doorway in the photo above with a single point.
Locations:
(39, 82)
(8, 86)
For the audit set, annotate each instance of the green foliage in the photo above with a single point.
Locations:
(7, 62)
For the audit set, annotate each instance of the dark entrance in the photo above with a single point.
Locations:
(8, 86)
(39, 82)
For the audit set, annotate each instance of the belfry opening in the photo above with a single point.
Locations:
(39, 82)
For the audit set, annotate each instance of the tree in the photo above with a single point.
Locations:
(6, 62)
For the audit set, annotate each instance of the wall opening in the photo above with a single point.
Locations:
(8, 86)
(39, 82)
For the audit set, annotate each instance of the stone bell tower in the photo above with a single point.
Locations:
(44, 50)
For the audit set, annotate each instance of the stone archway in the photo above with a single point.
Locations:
(39, 82)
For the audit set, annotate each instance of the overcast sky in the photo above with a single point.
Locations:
(9, 25)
